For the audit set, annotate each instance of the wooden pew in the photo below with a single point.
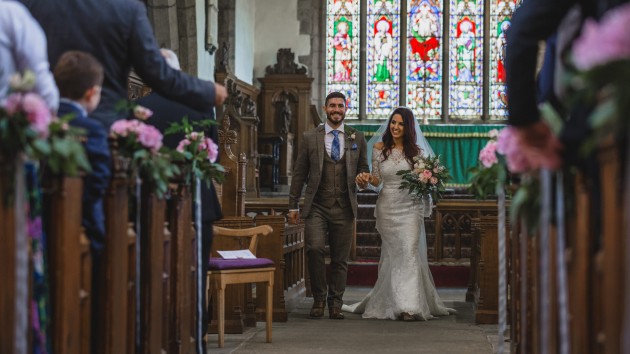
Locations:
(152, 214)
(111, 321)
(14, 255)
(62, 198)
(181, 310)
(285, 246)
(487, 270)
(613, 244)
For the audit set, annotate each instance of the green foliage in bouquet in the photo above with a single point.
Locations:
(67, 154)
(427, 177)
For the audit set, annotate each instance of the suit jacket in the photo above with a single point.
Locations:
(310, 160)
(166, 112)
(119, 35)
(96, 182)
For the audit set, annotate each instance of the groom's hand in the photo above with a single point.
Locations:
(293, 217)
(362, 179)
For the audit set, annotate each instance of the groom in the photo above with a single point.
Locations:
(330, 157)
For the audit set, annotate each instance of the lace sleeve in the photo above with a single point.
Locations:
(376, 169)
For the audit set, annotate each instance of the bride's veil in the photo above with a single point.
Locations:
(421, 141)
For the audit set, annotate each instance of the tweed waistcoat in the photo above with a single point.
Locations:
(334, 183)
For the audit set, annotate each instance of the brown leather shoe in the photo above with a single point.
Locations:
(317, 311)
(334, 313)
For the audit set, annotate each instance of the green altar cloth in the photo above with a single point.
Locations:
(457, 145)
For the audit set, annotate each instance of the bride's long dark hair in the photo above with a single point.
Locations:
(410, 149)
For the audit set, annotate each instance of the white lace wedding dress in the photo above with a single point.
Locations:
(404, 281)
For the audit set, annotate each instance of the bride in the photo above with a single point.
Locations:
(404, 289)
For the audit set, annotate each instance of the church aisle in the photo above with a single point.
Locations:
(456, 334)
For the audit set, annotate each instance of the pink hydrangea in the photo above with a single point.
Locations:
(605, 41)
(150, 137)
(508, 144)
(146, 135)
(487, 155)
(37, 113)
(13, 103)
(120, 127)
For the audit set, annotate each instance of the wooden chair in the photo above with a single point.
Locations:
(222, 272)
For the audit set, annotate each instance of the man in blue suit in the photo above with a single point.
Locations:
(119, 34)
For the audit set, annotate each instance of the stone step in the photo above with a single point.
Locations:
(365, 211)
(369, 252)
(366, 225)
(367, 197)
(368, 239)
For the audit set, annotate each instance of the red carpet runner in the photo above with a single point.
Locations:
(451, 276)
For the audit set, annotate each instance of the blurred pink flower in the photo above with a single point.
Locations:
(433, 180)
(487, 155)
(120, 127)
(182, 145)
(605, 41)
(142, 113)
(193, 136)
(509, 144)
(493, 134)
(213, 150)
(150, 137)
(37, 113)
(427, 174)
(13, 103)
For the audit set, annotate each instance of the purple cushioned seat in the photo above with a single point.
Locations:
(226, 264)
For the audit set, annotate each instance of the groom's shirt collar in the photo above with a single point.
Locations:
(328, 128)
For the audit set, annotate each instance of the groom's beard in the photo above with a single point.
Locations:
(335, 121)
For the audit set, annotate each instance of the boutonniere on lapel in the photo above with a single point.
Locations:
(351, 135)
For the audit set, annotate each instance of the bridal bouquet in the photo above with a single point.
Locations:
(427, 177)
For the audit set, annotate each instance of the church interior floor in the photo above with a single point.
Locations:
(455, 334)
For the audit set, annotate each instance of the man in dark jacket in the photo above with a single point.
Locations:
(119, 34)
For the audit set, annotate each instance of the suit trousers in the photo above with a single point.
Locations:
(336, 223)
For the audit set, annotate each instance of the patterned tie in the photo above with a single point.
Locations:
(334, 149)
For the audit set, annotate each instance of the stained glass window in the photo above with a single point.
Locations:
(500, 20)
(426, 54)
(342, 51)
(466, 59)
(383, 57)
(424, 58)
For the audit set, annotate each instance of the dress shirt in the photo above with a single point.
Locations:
(328, 139)
(23, 47)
